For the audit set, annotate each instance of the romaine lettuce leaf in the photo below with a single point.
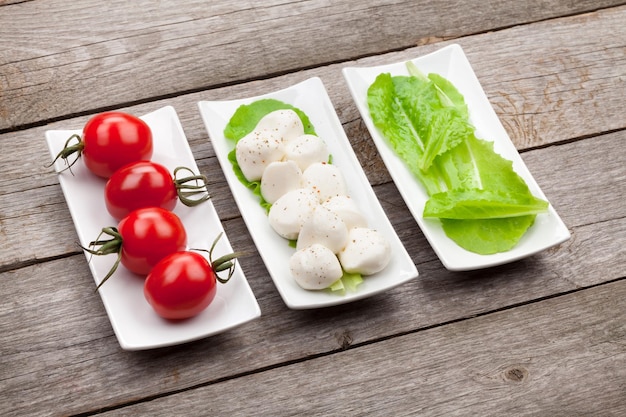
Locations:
(487, 236)
(403, 119)
(483, 204)
(445, 131)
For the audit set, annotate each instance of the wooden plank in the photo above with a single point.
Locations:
(53, 68)
(558, 357)
(59, 351)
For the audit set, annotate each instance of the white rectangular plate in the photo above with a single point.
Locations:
(311, 97)
(135, 324)
(451, 63)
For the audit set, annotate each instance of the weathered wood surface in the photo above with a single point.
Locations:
(549, 339)
(61, 57)
(442, 371)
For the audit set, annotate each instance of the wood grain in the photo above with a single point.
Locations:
(541, 336)
(503, 363)
(61, 58)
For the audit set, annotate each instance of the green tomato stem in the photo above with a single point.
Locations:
(107, 247)
(68, 150)
(192, 190)
(223, 263)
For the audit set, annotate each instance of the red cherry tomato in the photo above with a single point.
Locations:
(148, 184)
(109, 141)
(141, 240)
(149, 235)
(183, 284)
(137, 185)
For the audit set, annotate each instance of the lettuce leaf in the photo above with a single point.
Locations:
(487, 236)
(348, 282)
(404, 119)
(445, 131)
(247, 116)
(483, 204)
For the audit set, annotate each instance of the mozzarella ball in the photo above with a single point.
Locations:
(325, 179)
(347, 210)
(266, 143)
(255, 151)
(325, 228)
(367, 252)
(279, 178)
(315, 267)
(285, 124)
(306, 150)
(291, 211)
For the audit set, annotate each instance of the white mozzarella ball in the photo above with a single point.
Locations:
(325, 228)
(266, 143)
(347, 210)
(279, 178)
(255, 151)
(285, 124)
(291, 211)
(325, 179)
(306, 150)
(367, 252)
(315, 267)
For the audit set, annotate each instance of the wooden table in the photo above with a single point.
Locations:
(544, 336)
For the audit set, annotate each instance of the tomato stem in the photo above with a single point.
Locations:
(190, 187)
(223, 263)
(107, 247)
(68, 150)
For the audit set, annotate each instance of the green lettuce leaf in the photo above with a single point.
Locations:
(247, 116)
(483, 204)
(487, 236)
(348, 282)
(404, 119)
(445, 131)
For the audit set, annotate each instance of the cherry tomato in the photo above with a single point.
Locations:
(180, 286)
(150, 234)
(109, 141)
(141, 240)
(149, 184)
(184, 283)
